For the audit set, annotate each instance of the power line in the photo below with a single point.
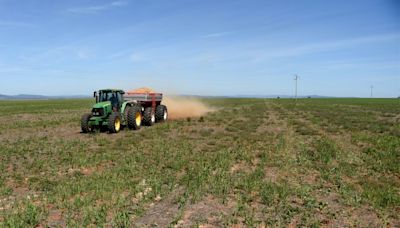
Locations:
(372, 87)
(296, 77)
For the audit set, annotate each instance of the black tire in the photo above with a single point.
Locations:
(148, 116)
(126, 114)
(114, 122)
(85, 127)
(132, 115)
(161, 113)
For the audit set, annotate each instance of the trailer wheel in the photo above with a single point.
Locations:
(148, 117)
(85, 123)
(161, 113)
(114, 122)
(134, 117)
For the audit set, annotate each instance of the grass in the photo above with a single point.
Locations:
(253, 162)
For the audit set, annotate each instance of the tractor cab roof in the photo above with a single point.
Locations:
(112, 90)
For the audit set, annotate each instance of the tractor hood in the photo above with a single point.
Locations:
(102, 104)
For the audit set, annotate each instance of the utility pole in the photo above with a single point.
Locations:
(372, 87)
(296, 77)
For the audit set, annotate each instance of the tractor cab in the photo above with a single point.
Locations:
(112, 95)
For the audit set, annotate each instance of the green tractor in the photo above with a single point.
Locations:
(114, 109)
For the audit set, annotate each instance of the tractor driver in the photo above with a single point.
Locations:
(114, 102)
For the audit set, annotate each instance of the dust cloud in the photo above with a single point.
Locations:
(179, 107)
(183, 107)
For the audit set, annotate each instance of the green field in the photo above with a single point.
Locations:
(252, 162)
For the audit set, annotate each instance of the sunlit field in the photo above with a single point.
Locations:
(251, 162)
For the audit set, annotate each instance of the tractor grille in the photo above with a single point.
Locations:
(98, 112)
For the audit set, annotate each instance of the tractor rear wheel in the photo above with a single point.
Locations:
(134, 118)
(85, 123)
(161, 113)
(114, 122)
(148, 117)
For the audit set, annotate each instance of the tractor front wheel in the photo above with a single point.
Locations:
(114, 122)
(134, 117)
(85, 123)
(148, 117)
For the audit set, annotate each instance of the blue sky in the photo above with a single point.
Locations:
(204, 47)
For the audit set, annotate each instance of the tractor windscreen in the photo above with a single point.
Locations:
(105, 96)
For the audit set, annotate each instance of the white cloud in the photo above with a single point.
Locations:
(136, 57)
(209, 58)
(82, 54)
(98, 8)
(325, 46)
(214, 35)
(376, 65)
(12, 69)
(15, 24)
(116, 54)
(119, 3)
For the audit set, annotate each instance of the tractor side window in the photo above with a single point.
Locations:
(119, 97)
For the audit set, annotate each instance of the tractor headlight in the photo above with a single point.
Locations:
(98, 112)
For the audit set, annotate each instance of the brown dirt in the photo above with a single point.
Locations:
(242, 167)
(55, 218)
(206, 213)
(271, 174)
(161, 213)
